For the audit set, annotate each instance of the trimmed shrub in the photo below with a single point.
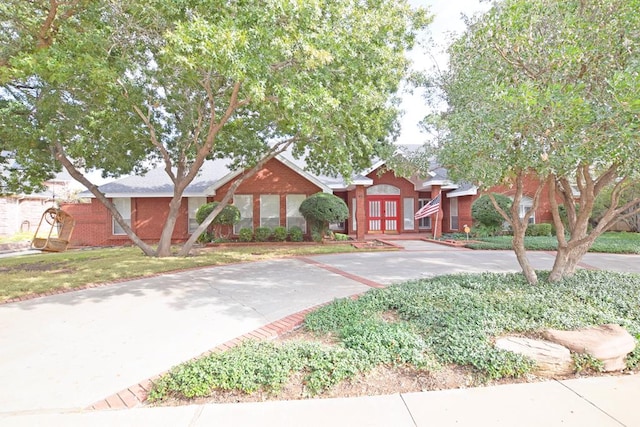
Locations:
(206, 237)
(484, 213)
(262, 234)
(320, 210)
(340, 237)
(229, 215)
(296, 234)
(485, 230)
(280, 234)
(539, 230)
(245, 234)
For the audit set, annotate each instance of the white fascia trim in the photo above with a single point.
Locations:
(373, 167)
(147, 195)
(470, 192)
(222, 181)
(440, 182)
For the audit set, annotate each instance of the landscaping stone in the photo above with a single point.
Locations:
(608, 343)
(551, 359)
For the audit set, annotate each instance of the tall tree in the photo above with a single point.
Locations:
(548, 89)
(125, 85)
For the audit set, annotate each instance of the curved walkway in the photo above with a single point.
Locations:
(64, 353)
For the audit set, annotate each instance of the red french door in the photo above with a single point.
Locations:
(383, 214)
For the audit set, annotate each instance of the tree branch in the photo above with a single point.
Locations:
(61, 156)
(146, 119)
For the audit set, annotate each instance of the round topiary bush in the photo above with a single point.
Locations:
(229, 215)
(320, 210)
(484, 213)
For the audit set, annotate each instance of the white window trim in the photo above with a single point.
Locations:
(271, 196)
(123, 212)
(193, 204)
(236, 203)
(290, 210)
(454, 202)
(421, 202)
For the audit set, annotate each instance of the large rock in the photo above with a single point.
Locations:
(609, 343)
(552, 360)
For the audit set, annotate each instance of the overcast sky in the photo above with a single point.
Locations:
(446, 24)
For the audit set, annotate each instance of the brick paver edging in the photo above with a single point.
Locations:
(137, 394)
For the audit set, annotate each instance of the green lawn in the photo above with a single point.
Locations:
(427, 324)
(40, 273)
(613, 242)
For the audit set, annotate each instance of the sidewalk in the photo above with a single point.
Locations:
(601, 402)
(61, 354)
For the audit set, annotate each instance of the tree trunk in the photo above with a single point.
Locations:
(61, 156)
(164, 245)
(567, 259)
(188, 245)
(521, 255)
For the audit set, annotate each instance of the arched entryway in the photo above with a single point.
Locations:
(383, 209)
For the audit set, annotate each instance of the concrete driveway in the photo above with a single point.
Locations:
(67, 351)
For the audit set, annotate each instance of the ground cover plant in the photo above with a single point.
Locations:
(41, 273)
(426, 324)
(613, 242)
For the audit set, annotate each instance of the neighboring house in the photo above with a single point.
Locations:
(22, 212)
(379, 202)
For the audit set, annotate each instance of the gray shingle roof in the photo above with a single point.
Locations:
(214, 173)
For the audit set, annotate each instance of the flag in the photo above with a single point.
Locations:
(429, 209)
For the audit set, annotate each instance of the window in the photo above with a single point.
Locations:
(526, 204)
(294, 217)
(269, 210)
(244, 203)
(453, 213)
(123, 206)
(194, 204)
(353, 214)
(424, 223)
(337, 226)
(383, 190)
(407, 205)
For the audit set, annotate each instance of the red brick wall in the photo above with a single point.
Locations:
(149, 214)
(543, 212)
(94, 223)
(91, 220)
(274, 178)
(464, 211)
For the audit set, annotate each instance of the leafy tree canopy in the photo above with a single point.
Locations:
(120, 85)
(547, 87)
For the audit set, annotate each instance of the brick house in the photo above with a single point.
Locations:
(379, 202)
